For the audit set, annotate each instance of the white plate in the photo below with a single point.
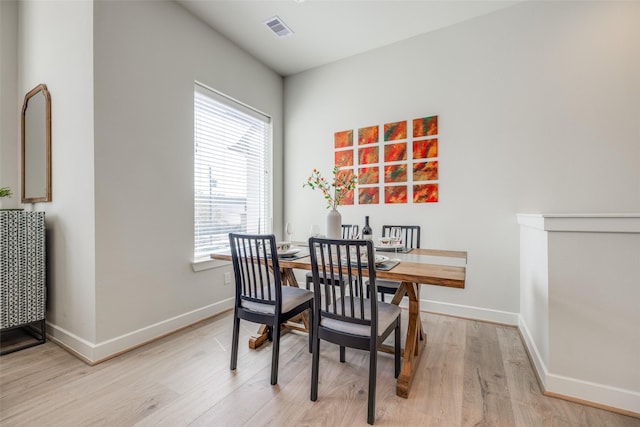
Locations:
(387, 247)
(288, 252)
(378, 260)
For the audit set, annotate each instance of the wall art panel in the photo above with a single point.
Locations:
(395, 131)
(395, 152)
(368, 135)
(425, 171)
(343, 139)
(369, 175)
(395, 194)
(395, 173)
(368, 196)
(367, 155)
(425, 193)
(344, 158)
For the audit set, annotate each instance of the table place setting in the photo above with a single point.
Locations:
(392, 243)
(382, 262)
(287, 250)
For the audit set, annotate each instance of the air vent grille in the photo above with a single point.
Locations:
(278, 27)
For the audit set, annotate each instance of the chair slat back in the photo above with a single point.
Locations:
(410, 234)
(256, 268)
(347, 263)
(350, 231)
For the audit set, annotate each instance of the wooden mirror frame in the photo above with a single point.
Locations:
(46, 122)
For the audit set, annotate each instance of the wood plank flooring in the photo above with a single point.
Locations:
(471, 374)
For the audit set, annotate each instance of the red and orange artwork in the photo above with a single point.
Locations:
(367, 155)
(393, 131)
(395, 173)
(368, 135)
(425, 193)
(395, 152)
(347, 199)
(425, 171)
(344, 158)
(343, 139)
(395, 194)
(368, 196)
(425, 149)
(344, 174)
(370, 175)
(425, 126)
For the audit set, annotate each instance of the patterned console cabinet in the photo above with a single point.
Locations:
(22, 274)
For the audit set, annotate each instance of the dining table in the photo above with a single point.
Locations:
(412, 268)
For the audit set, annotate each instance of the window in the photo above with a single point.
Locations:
(232, 170)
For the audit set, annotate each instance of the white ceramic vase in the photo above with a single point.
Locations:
(334, 224)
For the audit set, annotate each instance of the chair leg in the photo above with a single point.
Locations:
(234, 342)
(373, 367)
(310, 330)
(308, 283)
(342, 354)
(275, 353)
(382, 296)
(397, 349)
(315, 367)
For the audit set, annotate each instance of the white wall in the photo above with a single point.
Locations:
(9, 111)
(147, 56)
(55, 48)
(120, 227)
(538, 108)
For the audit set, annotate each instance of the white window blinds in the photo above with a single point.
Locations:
(232, 170)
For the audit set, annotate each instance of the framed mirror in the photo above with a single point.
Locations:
(36, 146)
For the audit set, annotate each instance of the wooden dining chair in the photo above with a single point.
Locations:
(342, 313)
(349, 231)
(410, 235)
(260, 296)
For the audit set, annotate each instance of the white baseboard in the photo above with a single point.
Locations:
(538, 363)
(586, 392)
(476, 313)
(93, 353)
(593, 393)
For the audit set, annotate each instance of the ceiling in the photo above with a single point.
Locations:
(325, 31)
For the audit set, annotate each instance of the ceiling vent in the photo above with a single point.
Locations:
(278, 27)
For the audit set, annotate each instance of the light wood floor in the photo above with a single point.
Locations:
(472, 374)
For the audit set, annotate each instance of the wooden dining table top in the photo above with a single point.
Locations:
(424, 266)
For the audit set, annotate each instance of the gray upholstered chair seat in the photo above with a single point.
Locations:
(387, 314)
(291, 298)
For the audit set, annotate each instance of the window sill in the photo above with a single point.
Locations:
(208, 264)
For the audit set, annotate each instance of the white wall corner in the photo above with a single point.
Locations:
(534, 353)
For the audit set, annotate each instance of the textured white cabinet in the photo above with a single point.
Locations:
(22, 274)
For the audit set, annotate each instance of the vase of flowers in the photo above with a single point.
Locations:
(333, 192)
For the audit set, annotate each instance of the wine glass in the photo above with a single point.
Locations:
(288, 228)
(314, 231)
(396, 239)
